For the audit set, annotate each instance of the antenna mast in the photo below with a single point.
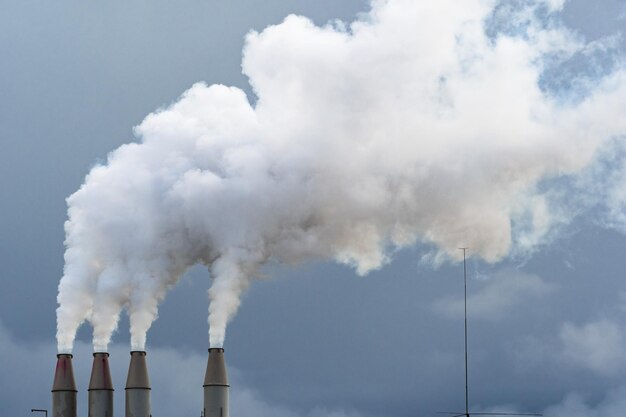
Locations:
(467, 412)
(465, 315)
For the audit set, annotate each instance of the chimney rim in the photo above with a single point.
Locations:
(101, 353)
(216, 349)
(64, 354)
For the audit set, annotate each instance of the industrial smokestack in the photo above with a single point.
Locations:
(216, 385)
(137, 386)
(100, 387)
(64, 388)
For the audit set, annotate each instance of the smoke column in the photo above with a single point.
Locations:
(420, 122)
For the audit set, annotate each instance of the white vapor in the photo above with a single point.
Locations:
(411, 124)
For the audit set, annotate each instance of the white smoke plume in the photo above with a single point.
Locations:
(420, 122)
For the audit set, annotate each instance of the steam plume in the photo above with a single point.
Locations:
(422, 121)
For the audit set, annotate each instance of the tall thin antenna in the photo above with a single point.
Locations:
(465, 315)
(467, 412)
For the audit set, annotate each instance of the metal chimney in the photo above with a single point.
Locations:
(100, 387)
(216, 385)
(64, 388)
(137, 386)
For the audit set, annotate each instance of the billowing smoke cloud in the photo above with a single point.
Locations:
(429, 122)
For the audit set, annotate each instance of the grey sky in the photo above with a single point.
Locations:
(76, 76)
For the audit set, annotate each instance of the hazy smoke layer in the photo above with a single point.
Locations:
(421, 122)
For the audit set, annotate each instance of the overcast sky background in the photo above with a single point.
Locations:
(547, 334)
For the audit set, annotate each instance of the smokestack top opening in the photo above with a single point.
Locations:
(100, 373)
(64, 374)
(138, 371)
(64, 355)
(216, 369)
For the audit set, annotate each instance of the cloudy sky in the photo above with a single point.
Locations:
(547, 329)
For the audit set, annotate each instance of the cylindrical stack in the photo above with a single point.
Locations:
(216, 385)
(64, 388)
(137, 386)
(100, 387)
